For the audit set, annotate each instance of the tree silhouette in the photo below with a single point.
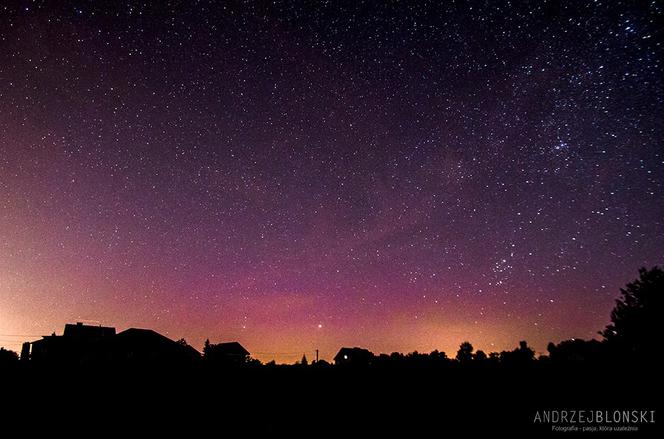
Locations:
(520, 356)
(480, 355)
(636, 314)
(304, 361)
(465, 352)
(524, 352)
(576, 352)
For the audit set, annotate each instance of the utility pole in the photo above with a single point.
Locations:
(316, 355)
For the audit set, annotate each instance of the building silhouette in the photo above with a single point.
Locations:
(354, 356)
(97, 345)
(145, 346)
(79, 344)
(232, 353)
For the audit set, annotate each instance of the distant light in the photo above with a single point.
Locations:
(320, 325)
(345, 357)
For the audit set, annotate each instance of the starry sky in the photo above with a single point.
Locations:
(309, 175)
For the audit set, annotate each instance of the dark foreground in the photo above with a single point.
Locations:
(347, 402)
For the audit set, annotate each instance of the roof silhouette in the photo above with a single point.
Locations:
(353, 355)
(79, 330)
(230, 348)
(138, 342)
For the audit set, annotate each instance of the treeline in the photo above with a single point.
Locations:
(631, 337)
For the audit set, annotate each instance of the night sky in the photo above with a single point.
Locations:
(393, 175)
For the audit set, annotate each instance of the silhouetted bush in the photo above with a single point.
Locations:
(8, 359)
(465, 353)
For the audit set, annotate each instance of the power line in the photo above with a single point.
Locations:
(277, 353)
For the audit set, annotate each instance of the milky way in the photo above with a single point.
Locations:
(393, 175)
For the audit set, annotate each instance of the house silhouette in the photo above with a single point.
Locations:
(353, 356)
(79, 344)
(85, 345)
(145, 346)
(232, 353)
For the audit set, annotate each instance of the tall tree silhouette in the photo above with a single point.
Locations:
(636, 315)
(206, 348)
